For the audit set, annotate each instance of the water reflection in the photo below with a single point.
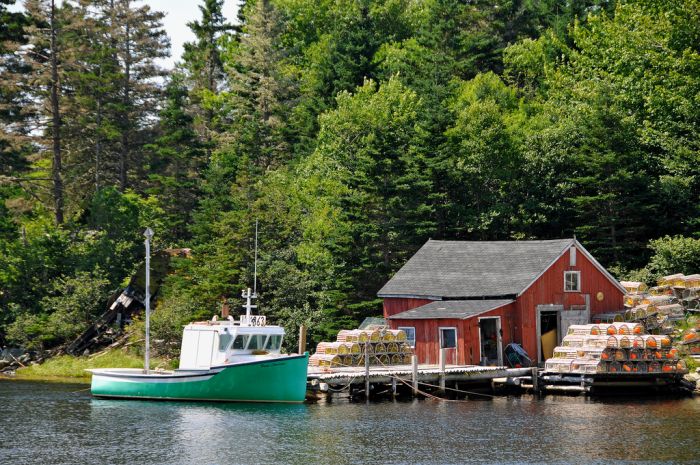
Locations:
(56, 424)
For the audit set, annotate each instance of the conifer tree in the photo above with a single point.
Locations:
(48, 55)
(12, 96)
(258, 90)
(175, 159)
(138, 35)
(202, 60)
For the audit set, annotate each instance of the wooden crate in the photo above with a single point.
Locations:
(634, 287)
(584, 366)
(671, 280)
(558, 365)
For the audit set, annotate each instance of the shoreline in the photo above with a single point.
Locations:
(47, 379)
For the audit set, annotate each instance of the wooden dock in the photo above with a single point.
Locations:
(458, 381)
(406, 379)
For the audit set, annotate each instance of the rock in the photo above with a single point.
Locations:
(24, 359)
(4, 364)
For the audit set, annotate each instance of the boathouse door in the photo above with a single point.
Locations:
(549, 332)
(490, 341)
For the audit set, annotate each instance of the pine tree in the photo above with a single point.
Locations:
(138, 35)
(12, 97)
(258, 90)
(48, 55)
(91, 122)
(175, 160)
(202, 60)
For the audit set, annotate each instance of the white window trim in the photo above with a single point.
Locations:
(577, 273)
(414, 334)
(454, 328)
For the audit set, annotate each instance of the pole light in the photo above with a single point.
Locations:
(148, 233)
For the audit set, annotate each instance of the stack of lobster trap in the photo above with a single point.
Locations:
(675, 300)
(381, 345)
(620, 347)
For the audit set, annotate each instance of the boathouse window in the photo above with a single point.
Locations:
(240, 342)
(448, 338)
(224, 341)
(410, 334)
(274, 342)
(257, 342)
(572, 281)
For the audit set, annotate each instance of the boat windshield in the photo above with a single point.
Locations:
(274, 342)
(257, 341)
(240, 342)
(224, 341)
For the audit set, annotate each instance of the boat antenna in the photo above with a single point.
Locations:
(247, 294)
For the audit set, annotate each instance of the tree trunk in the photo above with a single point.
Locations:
(123, 158)
(56, 123)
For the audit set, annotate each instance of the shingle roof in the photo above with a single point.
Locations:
(465, 269)
(459, 309)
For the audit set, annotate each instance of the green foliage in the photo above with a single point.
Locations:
(177, 157)
(370, 142)
(351, 132)
(73, 304)
(66, 366)
(675, 254)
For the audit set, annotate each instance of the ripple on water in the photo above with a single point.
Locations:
(50, 423)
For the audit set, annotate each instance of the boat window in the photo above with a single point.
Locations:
(240, 341)
(224, 341)
(257, 341)
(274, 342)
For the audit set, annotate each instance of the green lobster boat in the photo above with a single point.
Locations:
(228, 360)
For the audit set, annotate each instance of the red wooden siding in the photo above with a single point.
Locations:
(549, 289)
(468, 351)
(392, 305)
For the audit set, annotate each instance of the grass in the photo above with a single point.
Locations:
(69, 368)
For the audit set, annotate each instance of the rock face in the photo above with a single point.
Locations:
(13, 358)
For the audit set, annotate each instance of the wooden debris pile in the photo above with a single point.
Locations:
(614, 348)
(663, 306)
(383, 346)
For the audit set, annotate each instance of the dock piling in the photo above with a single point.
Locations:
(535, 380)
(442, 370)
(302, 339)
(414, 363)
(367, 371)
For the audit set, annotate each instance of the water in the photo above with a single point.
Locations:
(46, 423)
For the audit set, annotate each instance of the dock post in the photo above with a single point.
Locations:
(535, 380)
(367, 370)
(302, 339)
(393, 386)
(414, 362)
(442, 370)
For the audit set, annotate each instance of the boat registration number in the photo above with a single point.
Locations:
(254, 320)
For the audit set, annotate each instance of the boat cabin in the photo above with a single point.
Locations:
(206, 344)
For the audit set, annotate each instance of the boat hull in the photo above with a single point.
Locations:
(280, 379)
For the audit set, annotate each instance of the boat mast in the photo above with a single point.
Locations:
(247, 294)
(147, 301)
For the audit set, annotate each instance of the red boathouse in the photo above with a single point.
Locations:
(474, 298)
